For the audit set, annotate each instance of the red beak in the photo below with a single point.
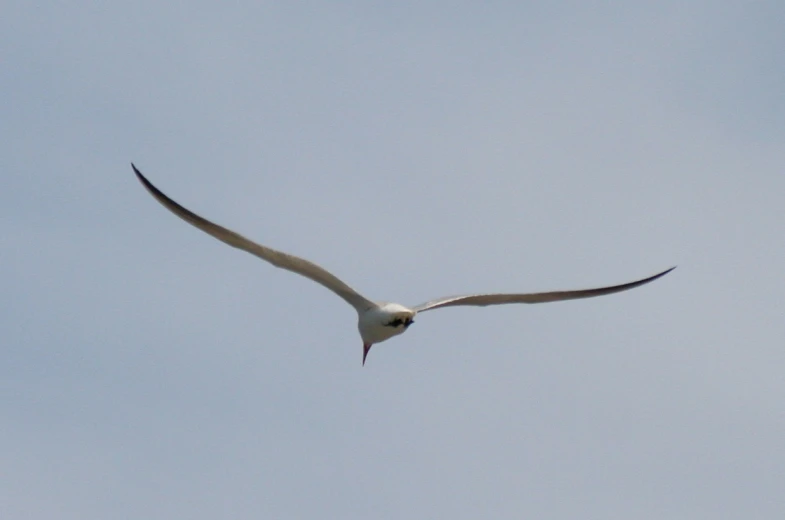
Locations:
(366, 348)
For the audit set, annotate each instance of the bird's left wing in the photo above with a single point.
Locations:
(280, 259)
(555, 296)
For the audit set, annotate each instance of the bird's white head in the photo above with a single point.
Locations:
(382, 323)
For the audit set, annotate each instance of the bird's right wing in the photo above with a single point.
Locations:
(554, 296)
(277, 258)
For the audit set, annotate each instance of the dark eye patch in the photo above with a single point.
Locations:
(397, 322)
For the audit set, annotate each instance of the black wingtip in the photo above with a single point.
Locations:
(660, 275)
(147, 184)
(137, 172)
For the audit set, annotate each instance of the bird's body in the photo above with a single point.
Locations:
(377, 321)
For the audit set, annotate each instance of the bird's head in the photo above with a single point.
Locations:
(397, 321)
(383, 322)
(397, 316)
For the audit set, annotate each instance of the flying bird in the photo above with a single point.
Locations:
(377, 321)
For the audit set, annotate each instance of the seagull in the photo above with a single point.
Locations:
(377, 321)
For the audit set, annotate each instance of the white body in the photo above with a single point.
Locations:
(381, 323)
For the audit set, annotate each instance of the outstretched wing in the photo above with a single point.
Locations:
(277, 258)
(555, 296)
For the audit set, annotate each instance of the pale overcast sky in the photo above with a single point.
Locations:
(416, 149)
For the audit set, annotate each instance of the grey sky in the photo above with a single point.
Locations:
(416, 150)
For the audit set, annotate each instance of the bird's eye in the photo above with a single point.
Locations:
(397, 322)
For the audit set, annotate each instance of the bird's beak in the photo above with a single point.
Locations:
(366, 349)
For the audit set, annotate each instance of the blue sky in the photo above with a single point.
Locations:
(416, 150)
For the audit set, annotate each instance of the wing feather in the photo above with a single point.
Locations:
(280, 259)
(543, 297)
